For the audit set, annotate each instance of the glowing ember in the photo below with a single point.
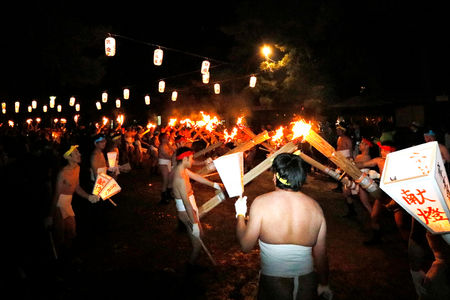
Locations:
(300, 128)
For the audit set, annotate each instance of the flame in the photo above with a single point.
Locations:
(63, 121)
(207, 122)
(151, 125)
(277, 138)
(38, 120)
(55, 120)
(120, 119)
(239, 120)
(172, 122)
(188, 122)
(300, 128)
(229, 137)
(75, 118)
(29, 121)
(105, 121)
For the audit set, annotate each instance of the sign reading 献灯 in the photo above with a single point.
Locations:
(416, 179)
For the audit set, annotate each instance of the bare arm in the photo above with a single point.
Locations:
(57, 192)
(248, 234)
(367, 164)
(320, 255)
(80, 191)
(199, 178)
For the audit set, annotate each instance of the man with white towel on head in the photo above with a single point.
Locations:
(291, 231)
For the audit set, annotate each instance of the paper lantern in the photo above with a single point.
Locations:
(110, 46)
(174, 95)
(118, 103)
(157, 57)
(416, 179)
(99, 105)
(205, 67)
(3, 110)
(44, 108)
(161, 86)
(72, 101)
(59, 108)
(33, 104)
(126, 94)
(217, 88)
(112, 159)
(77, 107)
(205, 78)
(52, 101)
(17, 106)
(231, 171)
(3, 105)
(252, 81)
(104, 97)
(30, 109)
(147, 99)
(38, 120)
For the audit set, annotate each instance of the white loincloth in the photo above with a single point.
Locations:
(180, 205)
(165, 162)
(65, 206)
(286, 260)
(345, 152)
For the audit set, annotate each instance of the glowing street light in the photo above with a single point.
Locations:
(266, 50)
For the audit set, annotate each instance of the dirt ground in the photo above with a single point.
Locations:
(134, 250)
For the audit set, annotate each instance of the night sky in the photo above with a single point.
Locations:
(395, 47)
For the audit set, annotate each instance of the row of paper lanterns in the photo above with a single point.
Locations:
(110, 50)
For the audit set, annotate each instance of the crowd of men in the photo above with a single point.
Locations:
(44, 168)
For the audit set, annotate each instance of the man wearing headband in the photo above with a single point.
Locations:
(291, 230)
(61, 210)
(185, 200)
(98, 161)
(165, 151)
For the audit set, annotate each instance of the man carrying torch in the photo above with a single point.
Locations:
(185, 200)
(291, 230)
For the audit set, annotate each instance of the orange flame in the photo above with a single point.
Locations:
(300, 128)
(278, 136)
(105, 121)
(229, 137)
(120, 119)
(172, 122)
(151, 125)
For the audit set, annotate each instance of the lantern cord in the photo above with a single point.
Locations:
(167, 48)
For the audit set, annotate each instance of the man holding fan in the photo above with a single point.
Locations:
(291, 230)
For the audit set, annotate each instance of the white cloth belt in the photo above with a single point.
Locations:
(165, 162)
(286, 260)
(180, 205)
(65, 206)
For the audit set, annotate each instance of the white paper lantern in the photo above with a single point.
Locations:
(59, 107)
(174, 95)
(161, 86)
(158, 57)
(217, 88)
(77, 107)
(110, 46)
(99, 105)
(52, 101)
(205, 78)
(147, 99)
(72, 101)
(104, 97)
(30, 109)
(44, 108)
(252, 81)
(17, 106)
(126, 94)
(118, 103)
(205, 67)
(33, 104)
(3, 110)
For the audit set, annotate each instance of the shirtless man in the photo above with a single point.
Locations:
(399, 213)
(291, 230)
(98, 161)
(185, 200)
(345, 147)
(363, 156)
(165, 152)
(61, 210)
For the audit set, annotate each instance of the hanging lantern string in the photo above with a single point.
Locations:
(167, 48)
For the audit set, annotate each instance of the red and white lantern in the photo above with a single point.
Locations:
(205, 67)
(157, 57)
(118, 103)
(217, 88)
(72, 101)
(77, 107)
(161, 86)
(110, 46)
(33, 104)
(17, 106)
(99, 105)
(44, 108)
(52, 101)
(205, 78)
(30, 109)
(59, 108)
